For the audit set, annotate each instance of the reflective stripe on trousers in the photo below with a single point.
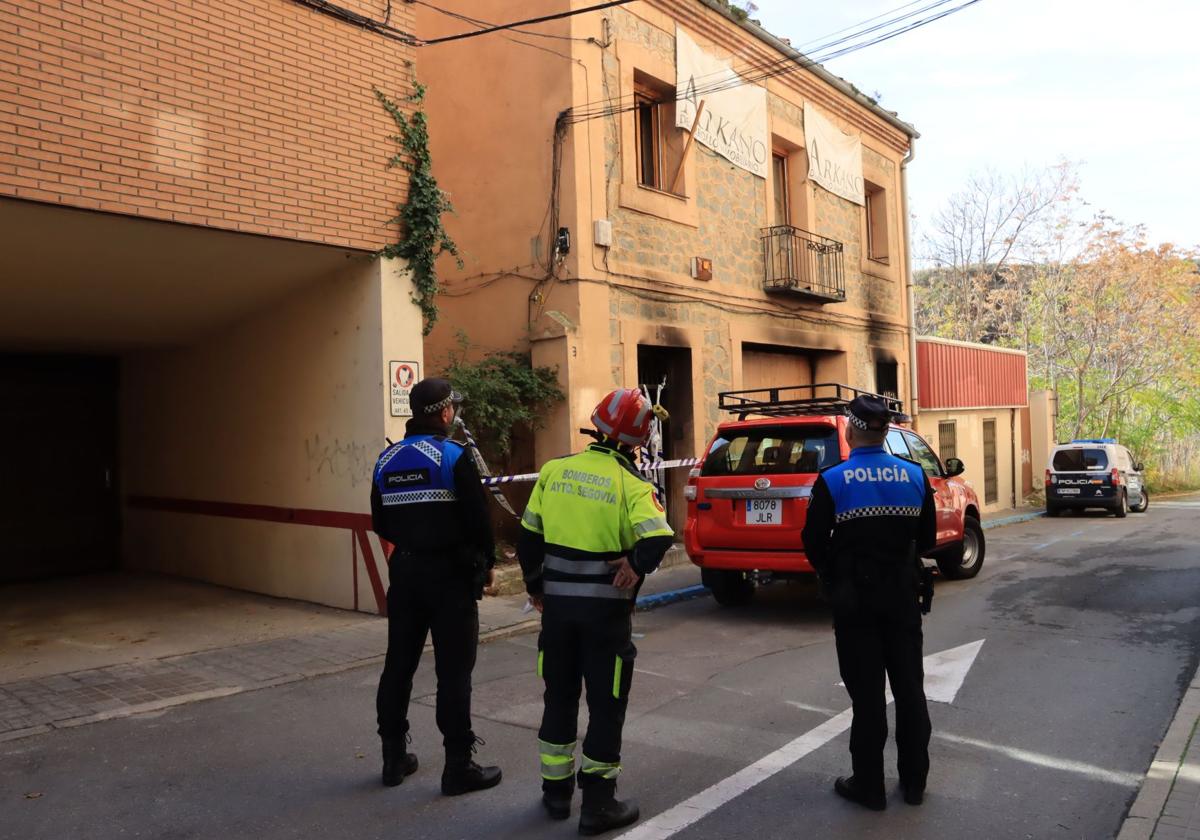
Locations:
(558, 760)
(600, 769)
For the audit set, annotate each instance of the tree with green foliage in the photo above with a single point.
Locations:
(1110, 322)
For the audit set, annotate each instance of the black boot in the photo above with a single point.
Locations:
(398, 762)
(556, 797)
(913, 794)
(848, 788)
(463, 775)
(602, 811)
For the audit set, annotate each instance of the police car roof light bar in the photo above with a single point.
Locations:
(1094, 440)
(800, 400)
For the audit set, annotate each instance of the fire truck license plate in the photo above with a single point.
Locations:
(764, 511)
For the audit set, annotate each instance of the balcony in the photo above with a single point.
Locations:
(803, 263)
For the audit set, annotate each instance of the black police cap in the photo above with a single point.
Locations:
(869, 413)
(429, 396)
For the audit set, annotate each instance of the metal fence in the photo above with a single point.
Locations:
(803, 263)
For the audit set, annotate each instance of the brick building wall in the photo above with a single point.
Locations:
(248, 115)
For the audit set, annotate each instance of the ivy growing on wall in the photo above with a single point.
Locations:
(423, 238)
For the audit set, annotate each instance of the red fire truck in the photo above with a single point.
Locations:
(748, 496)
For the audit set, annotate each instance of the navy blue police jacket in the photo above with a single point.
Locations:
(866, 518)
(427, 499)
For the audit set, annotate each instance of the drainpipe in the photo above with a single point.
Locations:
(915, 406)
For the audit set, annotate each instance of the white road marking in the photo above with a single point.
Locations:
(1040, 546)
(944, 673)
(808, 707)
(1082, 768)
(704, 803)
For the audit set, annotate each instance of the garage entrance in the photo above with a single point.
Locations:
(778, 366)
(197, 402)
(59, 507)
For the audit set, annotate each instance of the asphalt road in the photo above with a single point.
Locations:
(1091, 629)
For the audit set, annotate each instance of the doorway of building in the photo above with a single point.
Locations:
(678, 434)
(991, 490)
(59, 511)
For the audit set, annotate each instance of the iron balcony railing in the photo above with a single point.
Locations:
(803, 263)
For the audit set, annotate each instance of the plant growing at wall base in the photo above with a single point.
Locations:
(503, 391)
(423, 238)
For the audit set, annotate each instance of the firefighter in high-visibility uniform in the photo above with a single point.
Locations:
(592, 531)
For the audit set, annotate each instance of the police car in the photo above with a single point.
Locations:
(748, 497)
(1095, 473)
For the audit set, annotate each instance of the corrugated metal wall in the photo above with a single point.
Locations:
(956, 375)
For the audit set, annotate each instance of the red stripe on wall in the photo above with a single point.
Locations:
(359, 524)
(372, 572)
(262, 513)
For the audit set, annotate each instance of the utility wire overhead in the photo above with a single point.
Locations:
(488, 23)
(527, 22)
(379, 27)
(860, 23)
(762, 72)
(382, 27)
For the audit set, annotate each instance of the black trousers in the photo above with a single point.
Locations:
(582, 645)
(872, 641)
(428, 595)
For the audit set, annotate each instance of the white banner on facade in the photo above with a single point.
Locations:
(834, 158)
(734, 122)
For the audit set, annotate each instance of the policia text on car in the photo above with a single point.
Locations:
(591, 532)
(427, 500)
(870, 519)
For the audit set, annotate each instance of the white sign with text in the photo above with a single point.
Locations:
(834, 158)
(734, 122)
(403, 376)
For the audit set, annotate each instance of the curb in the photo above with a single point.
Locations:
(1013, 520)
(493, 635)
(1142, 820)
(661, 599)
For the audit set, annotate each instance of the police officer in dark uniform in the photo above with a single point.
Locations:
(592, 531)
(427, 500)
(869, 521)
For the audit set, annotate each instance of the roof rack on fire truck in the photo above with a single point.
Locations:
(800, 400)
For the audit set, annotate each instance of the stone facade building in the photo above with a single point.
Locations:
(595, 236)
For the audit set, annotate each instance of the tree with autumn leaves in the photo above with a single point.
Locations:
(1110, 322)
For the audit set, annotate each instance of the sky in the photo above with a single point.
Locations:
(1015, 84)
